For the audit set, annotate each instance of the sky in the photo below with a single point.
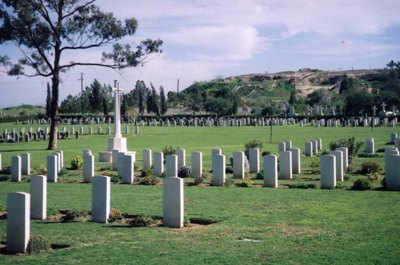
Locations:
(208, 39)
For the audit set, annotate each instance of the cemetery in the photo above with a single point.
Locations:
(286, 167)
(293, 190)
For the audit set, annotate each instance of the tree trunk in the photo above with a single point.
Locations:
(53, 115)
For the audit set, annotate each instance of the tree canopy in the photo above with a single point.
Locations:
(48, 31)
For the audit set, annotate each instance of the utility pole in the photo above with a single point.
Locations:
(81, 79)
(177, 87)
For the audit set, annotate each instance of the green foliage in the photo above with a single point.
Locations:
(76, 163)
(37, 245)
(315, 162)
(116, 178)
(41, 169)
(302, 186)
(229, 182)
(352, 145)
(52, 210)
(169, 150)
(246, 183)
(146, 172)
(362, 184)
(370, 168)
(149, 180)
(186, 220)
(6, 170)
(260, 174)
(252, 144)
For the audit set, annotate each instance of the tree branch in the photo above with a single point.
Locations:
(77, 9)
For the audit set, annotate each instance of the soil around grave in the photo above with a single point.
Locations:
(53, 247)
(122, 220)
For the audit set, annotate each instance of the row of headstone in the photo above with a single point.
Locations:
(312, 147)
(392, 168)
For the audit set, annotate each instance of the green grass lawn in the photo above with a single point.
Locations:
(254, 225)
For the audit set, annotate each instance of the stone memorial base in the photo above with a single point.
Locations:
(105, 156)
(117, 143)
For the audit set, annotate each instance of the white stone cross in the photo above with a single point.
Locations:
(117, 109)
(383, 106)
(374, 108)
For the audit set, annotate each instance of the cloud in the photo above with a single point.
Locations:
(219, 43)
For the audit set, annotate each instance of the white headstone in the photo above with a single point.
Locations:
(52, 173)
(281, 147)
(238, 165)
(296, 160)
(328, 171)
(120, 164)
(18, 221)
(58, 164)
(319, 144)
(345, 151)
(38, 192)
(393, 137)
(218, 170)
(339, 164)
(100, 199)
(88, 167)
(370, 146)
(181, 153)
(115, 159)
(26, 164)
(254, 160)
(308, 149)
(197, 164)
(147, 159)
(285, 165)
(270, 171)
(0, 162)
(173, 202)
(171, 167)
(16, 168)
(288, 145)
(158, 168)
(128, 173)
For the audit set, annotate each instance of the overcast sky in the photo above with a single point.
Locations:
(206, 39)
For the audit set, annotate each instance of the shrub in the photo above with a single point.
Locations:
(6, 170)
(169, 150)
(352, 145)
(41, 169)
(374, 176)
(51, 211)
(185, 172)
(246, 183)
(63, 172)
(229, 182)
(361, 184)
(302, 186)
(260, 174)
(315, 162)
(116, 179)
(368, 155)
(186, 220)
(149, 180)
(5, 178)
(146, 172)
(370, 168)
(252, 144)
(37, 245)
(114, 215)
(76, 163)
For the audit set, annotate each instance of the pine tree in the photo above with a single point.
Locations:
(163, 101)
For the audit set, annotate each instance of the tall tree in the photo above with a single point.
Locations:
(48, 101)
(163, 101)
(95, 96)
(47, 31)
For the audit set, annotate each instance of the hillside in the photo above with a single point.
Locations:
(260, 90)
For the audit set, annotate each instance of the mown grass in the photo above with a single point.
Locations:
(254, 225)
